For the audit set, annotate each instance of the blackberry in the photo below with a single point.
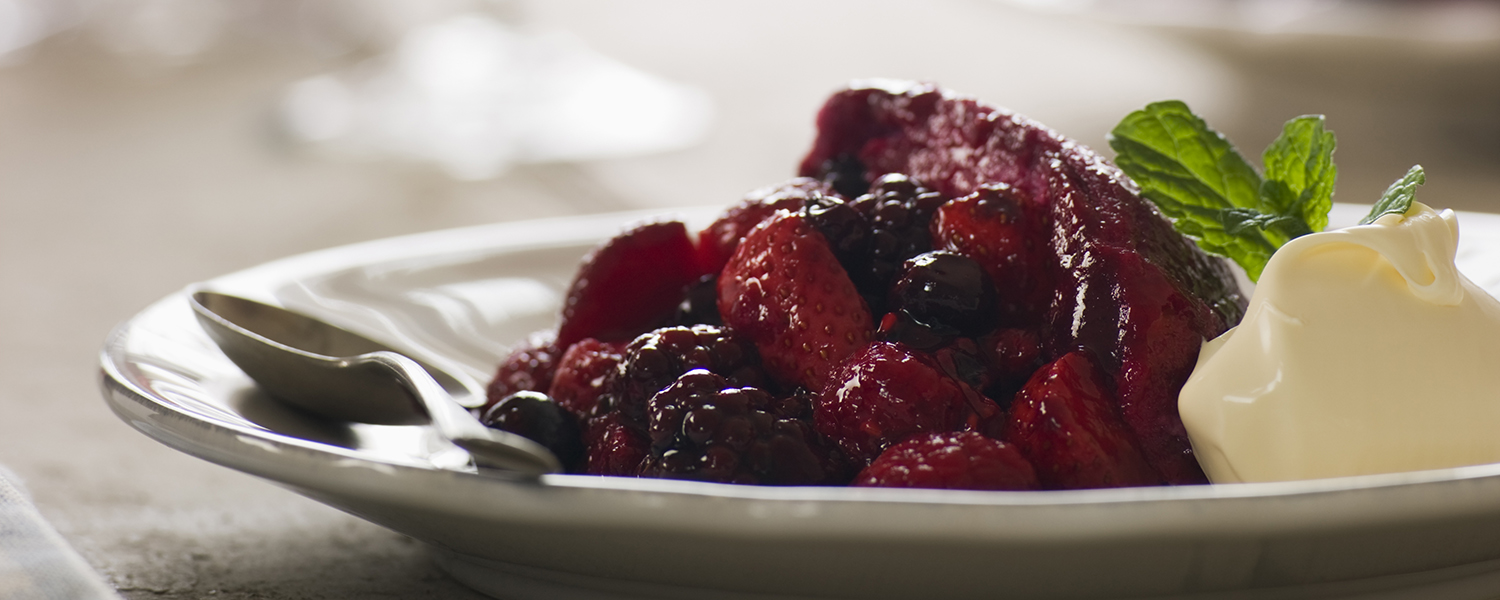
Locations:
(535, 416)
(703, 427)
(899, 210)
(947, 292)
(875, 233)
(656, 359)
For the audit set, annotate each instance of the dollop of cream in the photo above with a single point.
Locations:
(1363, 351)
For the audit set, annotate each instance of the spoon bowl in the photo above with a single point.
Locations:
(338, 374)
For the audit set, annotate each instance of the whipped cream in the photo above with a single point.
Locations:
(1363, 351)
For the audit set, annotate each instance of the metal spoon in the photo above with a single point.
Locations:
(334, 373)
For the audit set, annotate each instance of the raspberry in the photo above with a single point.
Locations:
(656, 359)
(614, 448)
(961, 460)
(885, 394)
(529, 368)
(581, 374)
(537, 417)
(703, 428)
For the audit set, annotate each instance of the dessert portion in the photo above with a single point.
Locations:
(950, 295)
(1364, 351)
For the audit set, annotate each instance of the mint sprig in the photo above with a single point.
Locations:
(1397, 199)
(1214, 196)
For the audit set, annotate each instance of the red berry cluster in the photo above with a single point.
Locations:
(951, 296)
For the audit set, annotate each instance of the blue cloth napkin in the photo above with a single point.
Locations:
(35, 562)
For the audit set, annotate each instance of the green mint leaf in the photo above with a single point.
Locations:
(1214, 196)
(1300, 174)
(1182, 159)
(1397, 199)
(1194, 175)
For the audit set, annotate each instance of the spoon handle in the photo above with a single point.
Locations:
(490, 448)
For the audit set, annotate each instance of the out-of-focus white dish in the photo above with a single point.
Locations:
(459, 297)
(1415, 23)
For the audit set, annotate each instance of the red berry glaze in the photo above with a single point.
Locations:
(1064, 422)
(961, 460)
(630, 284)
(1013, 355)
(885, 394)
(784, 290)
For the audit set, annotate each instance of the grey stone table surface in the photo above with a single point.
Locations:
(120, 183)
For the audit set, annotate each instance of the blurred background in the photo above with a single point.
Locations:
(148, 144)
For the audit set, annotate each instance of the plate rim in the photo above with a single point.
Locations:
(528, 233)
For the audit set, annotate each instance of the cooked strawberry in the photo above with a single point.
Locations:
(1064, 422)
(529, 368)
(581, 373)
(961, 460)
(785, 291)
(717, 242)
(1121, 282)
(1134, 294)
(987, 227)
(630, 284)
(614, 448)
(886, 393)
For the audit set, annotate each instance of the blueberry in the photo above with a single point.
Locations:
(846, 175)
(847, 231)
(535, 416)
(944, 290)
(699, 304)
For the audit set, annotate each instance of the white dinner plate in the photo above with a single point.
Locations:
(459, 297)
(1427, 25)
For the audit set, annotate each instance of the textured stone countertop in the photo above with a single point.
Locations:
(120, 184)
